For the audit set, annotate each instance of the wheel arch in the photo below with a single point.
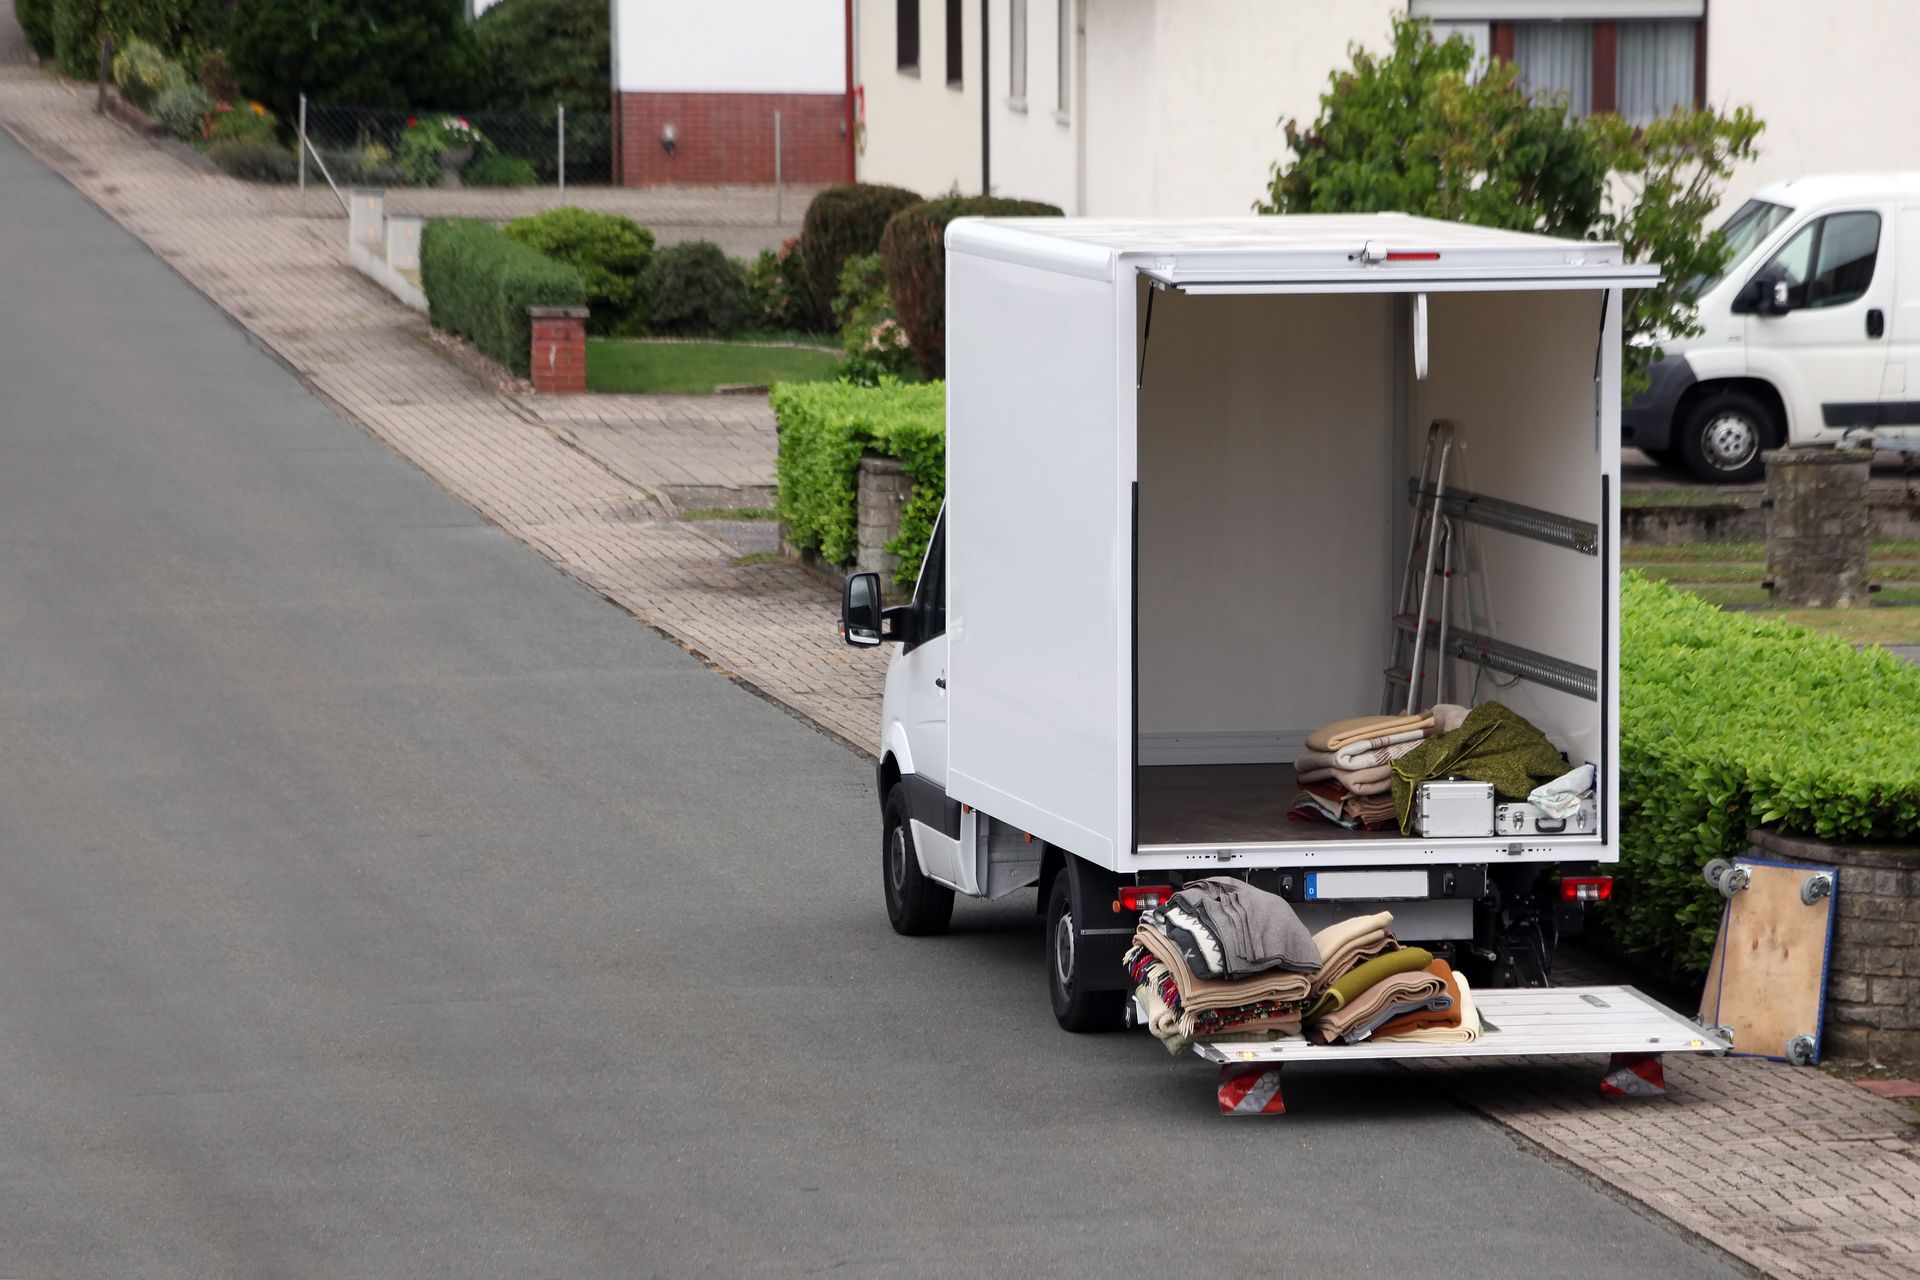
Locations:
(1759, 388)
(887, 774)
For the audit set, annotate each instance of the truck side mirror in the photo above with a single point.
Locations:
(860, 610)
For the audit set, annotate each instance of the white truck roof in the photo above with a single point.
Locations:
(1367, 250)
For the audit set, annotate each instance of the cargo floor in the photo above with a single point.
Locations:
(1226, 804)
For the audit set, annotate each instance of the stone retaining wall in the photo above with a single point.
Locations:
(884, 489)
(1873, 974)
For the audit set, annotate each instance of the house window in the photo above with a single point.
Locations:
(1655, 71)
(955, 72)
(906, 19)
(1017, 52)
(1556, 59)
(1065, 104)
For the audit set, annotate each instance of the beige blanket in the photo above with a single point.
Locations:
(1401, 988)
(1466, 1033)
(1350, 943)
(1345, 733)
(1365, 754)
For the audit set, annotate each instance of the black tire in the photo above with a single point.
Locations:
(1074, 1007)
(916, 906)
(1659, 457)
(1724, 435)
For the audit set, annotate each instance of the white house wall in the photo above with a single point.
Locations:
(921, 132)
(1837, 89)
(1034, 141)
(731, 46)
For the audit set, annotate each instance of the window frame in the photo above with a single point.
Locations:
(1063, 96)
(1603, 94)
(1017, 54)
(929, 603)
(956, 44)
(906, 36)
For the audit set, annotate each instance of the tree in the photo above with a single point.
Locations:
(1419, 132)
(548, 51)
(363, 53)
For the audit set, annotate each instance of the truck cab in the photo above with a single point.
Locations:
(1806, 335)
(1190, 476)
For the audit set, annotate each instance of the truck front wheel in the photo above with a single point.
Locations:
(1074, 1007)
(916, 906)
(1725, 434)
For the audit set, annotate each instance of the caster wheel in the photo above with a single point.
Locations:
(1712, 872)
(1800, 1051)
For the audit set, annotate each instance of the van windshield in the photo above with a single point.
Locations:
(1750, 224)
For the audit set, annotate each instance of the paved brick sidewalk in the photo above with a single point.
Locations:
(1797, 1173)
(688, 451)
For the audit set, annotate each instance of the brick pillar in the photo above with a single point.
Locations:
(559, 355)
(883, 491)
(1818, 526)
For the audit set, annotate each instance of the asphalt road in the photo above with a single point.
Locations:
(376, 901)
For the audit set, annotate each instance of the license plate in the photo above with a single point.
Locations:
(1337, 886)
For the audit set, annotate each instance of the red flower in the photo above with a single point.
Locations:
(412, 121)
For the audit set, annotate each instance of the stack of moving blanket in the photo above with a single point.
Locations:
(1346, 773)
(1222, 961)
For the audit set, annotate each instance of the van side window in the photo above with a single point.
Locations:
(930, 595)
(1829, 262)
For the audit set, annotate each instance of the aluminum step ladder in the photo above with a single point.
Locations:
(1430, 553)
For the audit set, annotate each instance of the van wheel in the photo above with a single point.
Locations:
(916, 906)
(1074, 1008)
(1724, 437)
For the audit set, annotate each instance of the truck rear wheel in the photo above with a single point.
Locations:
(916, 906)
(1074, 1007)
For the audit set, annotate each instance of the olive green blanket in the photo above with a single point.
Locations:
(1356, 983)
(1492, 745)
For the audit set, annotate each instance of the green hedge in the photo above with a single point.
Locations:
(75, 26)
(842, 222)
(36, 20)
(1728, 722)
(824, 429)
(479, 284)
(609, 250)
(914, 249)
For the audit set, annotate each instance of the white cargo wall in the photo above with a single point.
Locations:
(1267, 466)
(1039, 520)
(1515, 371)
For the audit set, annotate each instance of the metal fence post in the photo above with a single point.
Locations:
(303, 153)
(779, 193)
(563, 151)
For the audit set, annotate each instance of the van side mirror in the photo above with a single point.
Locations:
(1779, 301)
(1767, 294)
(860, 610)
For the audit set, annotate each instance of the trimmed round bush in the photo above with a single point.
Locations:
(257, 158)
(611, 253)
(183, 109)
(914, 250)
(844, 222)
(695, 288)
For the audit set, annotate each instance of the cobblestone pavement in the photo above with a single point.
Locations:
(741, 220)
(1797, 1173)
(689, 451)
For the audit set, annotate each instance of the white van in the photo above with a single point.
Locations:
(1808, 333)
(1182, 460)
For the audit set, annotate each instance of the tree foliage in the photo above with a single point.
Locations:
(548, 51)
(414, 54)
(1424, 130)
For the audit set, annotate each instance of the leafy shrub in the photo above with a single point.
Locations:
(216, 76)
(824, 429)
(427, 139)
(913, 247)
(250, 120)
(548, 51)
(368, 166)
(171, 26)
(479, 283)
(875, 342)
(36, 20)
(843, 222)
(695, 288)
(492, 169)
(258, 158)
(142, 73)
(372, 53)
(1729, 722)
(183, 109)
(609, 251)
(778, 292)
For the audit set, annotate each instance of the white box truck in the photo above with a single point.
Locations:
(1185, 465)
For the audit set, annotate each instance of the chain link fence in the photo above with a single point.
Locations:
(374, 146)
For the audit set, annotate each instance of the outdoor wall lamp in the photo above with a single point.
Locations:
(668, 139)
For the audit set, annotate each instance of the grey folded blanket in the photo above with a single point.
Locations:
(1257, 930)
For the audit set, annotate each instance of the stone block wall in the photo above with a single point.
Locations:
(1873, 974)
(884, 488)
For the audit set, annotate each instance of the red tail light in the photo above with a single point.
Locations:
(1586, 888)
(1409, 255)
(1143, 897)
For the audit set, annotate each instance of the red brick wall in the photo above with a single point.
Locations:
(727, 138)
(559, 355)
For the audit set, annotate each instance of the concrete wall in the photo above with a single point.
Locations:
(921, 132)
(1836, 95)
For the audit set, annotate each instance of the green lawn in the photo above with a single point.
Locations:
(696, 368)
(1729, 574)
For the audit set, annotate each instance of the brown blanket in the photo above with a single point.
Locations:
(1401, 988)
(1428, 1019)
